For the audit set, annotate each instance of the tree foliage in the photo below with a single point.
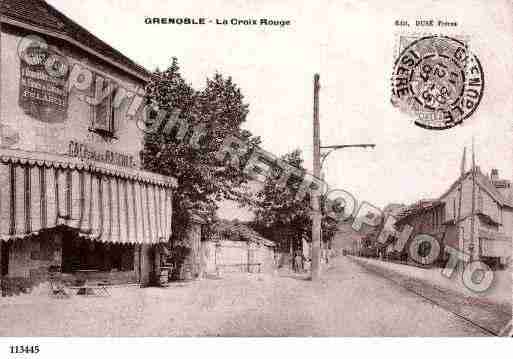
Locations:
(278, 205)
(278, 210)
(219, 111)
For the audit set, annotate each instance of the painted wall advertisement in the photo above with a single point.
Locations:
(43, 95)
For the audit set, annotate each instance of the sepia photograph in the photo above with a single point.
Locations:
(254, 169)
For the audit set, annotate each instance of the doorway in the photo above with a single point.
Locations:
(4, 257)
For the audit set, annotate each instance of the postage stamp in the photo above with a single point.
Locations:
(437, 80)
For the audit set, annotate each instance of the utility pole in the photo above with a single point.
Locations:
(459, 228)
(316, 207)
(317, 165)
(473, 246)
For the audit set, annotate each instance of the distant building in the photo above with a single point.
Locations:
(449, 218)
(348, 240)
(234, 247)
(393, 209)
(425, 216)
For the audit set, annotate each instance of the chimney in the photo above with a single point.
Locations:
(494, 174)
(502, 185)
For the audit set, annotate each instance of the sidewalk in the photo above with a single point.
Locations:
(499, 293)
(490, 310)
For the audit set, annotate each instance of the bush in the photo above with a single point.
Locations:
(15, 286)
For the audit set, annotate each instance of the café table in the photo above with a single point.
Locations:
(86, 287)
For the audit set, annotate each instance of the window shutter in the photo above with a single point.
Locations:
(103, 112)
(103, 115)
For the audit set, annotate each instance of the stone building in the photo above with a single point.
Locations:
(72, 192)
(485, 233)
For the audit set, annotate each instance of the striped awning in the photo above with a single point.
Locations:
(103, 202)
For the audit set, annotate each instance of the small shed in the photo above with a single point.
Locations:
(235, 247)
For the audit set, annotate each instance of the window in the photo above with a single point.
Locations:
(480, 201)
(103, 112)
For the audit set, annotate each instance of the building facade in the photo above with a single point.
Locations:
(475, 215)
(73, 196)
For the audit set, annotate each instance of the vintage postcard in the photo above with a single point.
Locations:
(255, 169)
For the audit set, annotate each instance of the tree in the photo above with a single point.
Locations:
(280, 215)
(277, 210)
(219, 110)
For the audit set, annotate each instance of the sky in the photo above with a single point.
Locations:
(352, 45)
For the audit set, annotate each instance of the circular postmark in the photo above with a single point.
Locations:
(437, 80)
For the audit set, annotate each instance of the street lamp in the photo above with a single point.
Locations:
(333, 148)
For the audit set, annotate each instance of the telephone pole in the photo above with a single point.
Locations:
(474, 250)
(316, 220)
(318, 161)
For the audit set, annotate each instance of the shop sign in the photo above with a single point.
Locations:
(85, 152)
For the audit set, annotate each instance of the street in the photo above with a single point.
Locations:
(349, 301)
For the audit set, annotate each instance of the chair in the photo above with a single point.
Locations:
(102, 289)
(57, 287)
